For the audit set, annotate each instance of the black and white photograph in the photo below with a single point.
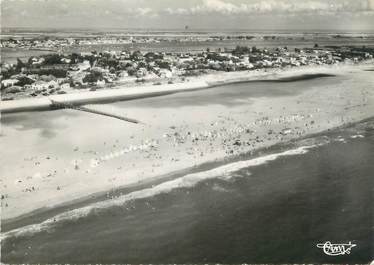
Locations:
(187, 131)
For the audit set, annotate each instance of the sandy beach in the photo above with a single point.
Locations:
(58, 165)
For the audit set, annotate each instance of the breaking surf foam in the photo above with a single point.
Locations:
(224, 172)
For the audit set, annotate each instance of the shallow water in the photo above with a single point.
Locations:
(267, 212)
(237, 94)
(53, 123)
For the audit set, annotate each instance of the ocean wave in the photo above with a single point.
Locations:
(224, 172)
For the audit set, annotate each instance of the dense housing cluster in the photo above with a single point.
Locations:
(59, 73)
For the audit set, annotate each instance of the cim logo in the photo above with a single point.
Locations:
(336, 249)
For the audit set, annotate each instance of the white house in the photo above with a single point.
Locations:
(65, 86)
(165, 73)
(84, 65)
(39, 85)
(100, 83)
(141, 72)
(9, 82)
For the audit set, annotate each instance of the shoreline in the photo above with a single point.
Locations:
(149, 182)
(211, 80)
(314, 139)
(312, 106)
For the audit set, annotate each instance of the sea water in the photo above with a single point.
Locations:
(272, 208)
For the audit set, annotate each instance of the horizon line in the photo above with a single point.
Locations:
(181, 29)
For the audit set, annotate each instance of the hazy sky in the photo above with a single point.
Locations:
(197, 14)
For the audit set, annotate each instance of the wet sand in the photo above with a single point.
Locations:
(57, 156)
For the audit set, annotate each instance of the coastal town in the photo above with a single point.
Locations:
(53, 43)
(61, 73)
(48, 43)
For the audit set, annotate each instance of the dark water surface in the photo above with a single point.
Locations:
(271, 213)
